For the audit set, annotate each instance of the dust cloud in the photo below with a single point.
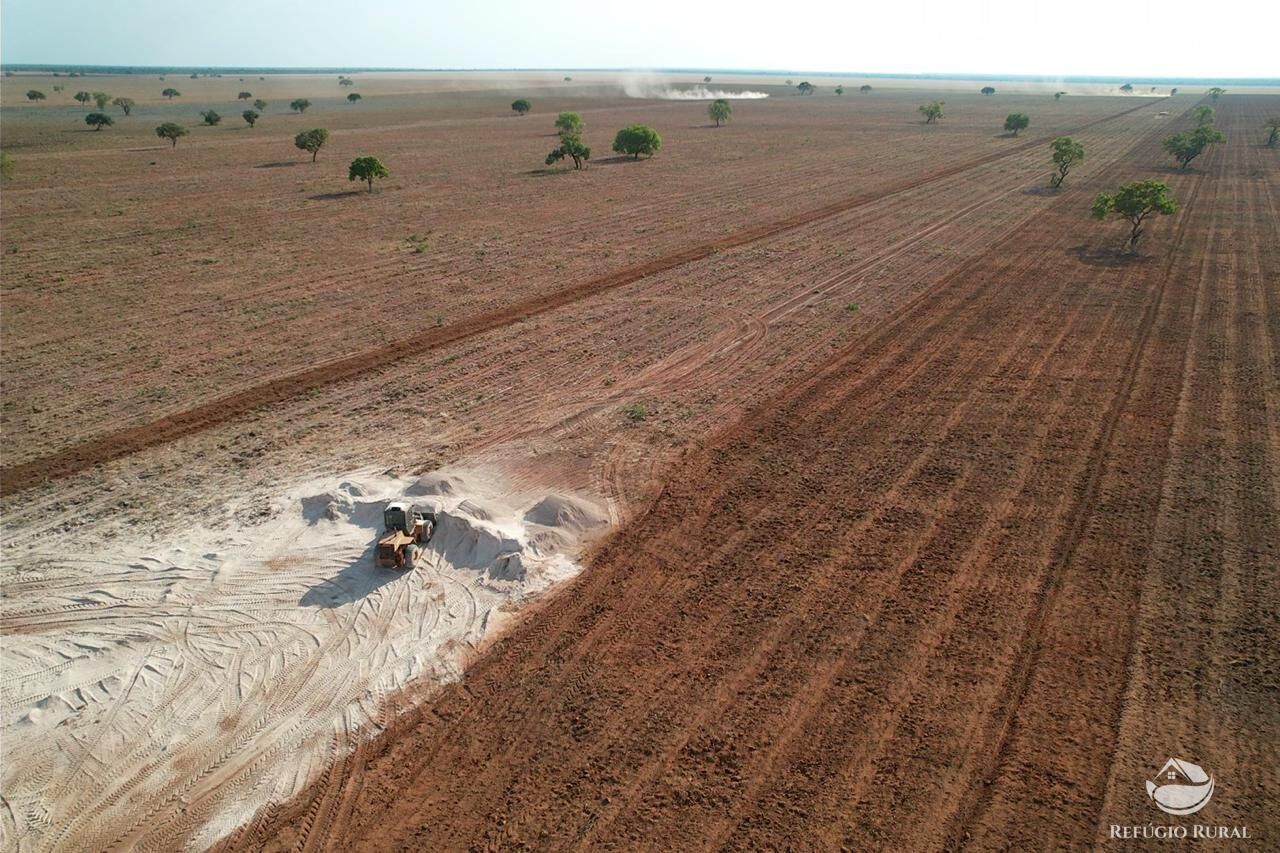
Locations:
(648, 86)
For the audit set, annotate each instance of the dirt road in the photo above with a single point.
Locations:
(967, 585)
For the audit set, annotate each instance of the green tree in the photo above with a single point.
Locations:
(573, 148)
(720, 110)
(98, 120)
(1136, 202)
(210, 117)
(637, 139)
(6, 166)
(244, 96)
(171, 132)
(1057, 96)
(988, 90)
(299, 105)
(864, 88)
(1067, 154)
(806, 88)
(125, 104)
(1216, 92)
(367, 169)
(520, 106)
(58, 88)
(101, 99)
(312, 140)
(1203, 114)
(932, 111)
(171, 94)
(346, 81)
(260, 105)
(35, 95)
(1173, 91)
(1127, 88)
(353, 97)
(839, 90)
(570, 123)
(706, 79)
(250, 116)
(1015, 122)
(1272, 126)
(1190, 144)
(83, 97)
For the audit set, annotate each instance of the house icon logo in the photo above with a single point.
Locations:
(1180, 788)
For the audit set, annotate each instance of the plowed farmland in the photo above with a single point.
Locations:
(936, 522)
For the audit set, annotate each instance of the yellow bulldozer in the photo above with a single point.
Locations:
(405, 530)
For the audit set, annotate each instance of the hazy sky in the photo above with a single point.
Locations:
(1171, 38)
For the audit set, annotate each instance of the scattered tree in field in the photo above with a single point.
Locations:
(171, 132)
(171, 94)
(1203, 114)
(210, 117)
(249, 116)
(720, 110)
(244, 96)
(1057, 96)
(58, 88)
(568, 79)
(569, 123)
(6, 166)
(125, 104)
(1127, 88)
(1190, 144)
(83, 97)
(312, 140)
(1173, 91)
(988, 90)
(35, 95)
(571, 147)
(98, 120)
(260, 105)
(1272, 127)
(788, 82)
(806, 88)
(346, 81)
(706, 79)
(637, 139)
(1015, 122)
(101, 99)
(1136, 202)
(366, 169)
(299, 105)
(931, 111)
(839, 90)
(520, 106)
(864, 88)
(1216, 92)
(1067, 154)
(353, 97)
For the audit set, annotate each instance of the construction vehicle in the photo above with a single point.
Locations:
(405, 528)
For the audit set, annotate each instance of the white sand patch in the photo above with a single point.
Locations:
(144, 687)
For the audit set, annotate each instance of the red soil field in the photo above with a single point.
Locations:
(963, 586)
(944, 525)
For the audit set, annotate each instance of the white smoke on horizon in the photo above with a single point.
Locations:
(647, 86)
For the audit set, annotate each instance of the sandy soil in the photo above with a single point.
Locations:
(944, 374)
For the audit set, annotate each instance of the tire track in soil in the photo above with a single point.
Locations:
(119, 443)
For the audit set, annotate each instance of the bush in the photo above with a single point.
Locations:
(637, 139)
(353, 97)
(520, 106)
(35, 95)
(988, 90)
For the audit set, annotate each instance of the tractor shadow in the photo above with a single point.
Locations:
(356, 581)
(1096, 256)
